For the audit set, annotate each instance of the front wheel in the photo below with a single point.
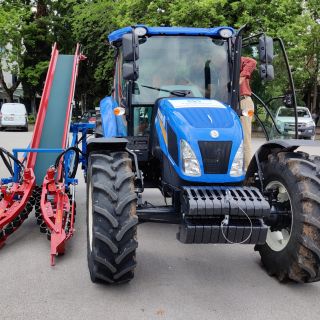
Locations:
(111, 219)
(292, 248)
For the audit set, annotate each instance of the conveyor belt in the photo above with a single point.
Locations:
(55, 118)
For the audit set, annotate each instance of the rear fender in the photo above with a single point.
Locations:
(106, 144)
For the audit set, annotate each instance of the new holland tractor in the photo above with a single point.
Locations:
(172, 122)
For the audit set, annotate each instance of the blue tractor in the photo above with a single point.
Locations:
(172, 122)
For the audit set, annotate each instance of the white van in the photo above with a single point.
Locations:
(13, 115)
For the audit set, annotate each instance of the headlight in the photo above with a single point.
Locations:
(190, 164)
(225, 33)
(140, 31)
(310, 124)
(237, 164)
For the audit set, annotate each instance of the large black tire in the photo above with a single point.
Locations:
(111, 220)
(299, 260)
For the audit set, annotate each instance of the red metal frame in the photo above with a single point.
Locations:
(10, 208)
(56, 211)
(43, 107)
(55, 205)
(71, 95)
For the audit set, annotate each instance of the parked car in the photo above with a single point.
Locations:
(285, 121)
(89, 116)
(13, 115)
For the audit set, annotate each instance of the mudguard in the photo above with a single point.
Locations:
(276, 146)
(106, 144)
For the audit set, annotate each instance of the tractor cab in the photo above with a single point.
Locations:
(176, 87)
(153, 63)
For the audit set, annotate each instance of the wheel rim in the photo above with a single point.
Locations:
(278, 240)
(90, 217)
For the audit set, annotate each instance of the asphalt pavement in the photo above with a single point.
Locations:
(172, 280)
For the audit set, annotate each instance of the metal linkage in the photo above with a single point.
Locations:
(57, 207)
(16, 203)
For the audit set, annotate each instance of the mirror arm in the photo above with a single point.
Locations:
(292, 85)
(268, 111)
(274, 98)
(254, 36)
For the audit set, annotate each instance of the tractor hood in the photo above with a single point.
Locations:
(211, 128)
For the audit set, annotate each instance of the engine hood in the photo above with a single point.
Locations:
(198, 121)
(196, 118)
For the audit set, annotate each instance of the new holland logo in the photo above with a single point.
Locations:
(214, 134)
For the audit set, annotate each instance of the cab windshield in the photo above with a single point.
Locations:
(183, 66)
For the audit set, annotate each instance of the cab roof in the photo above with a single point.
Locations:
(117, 35)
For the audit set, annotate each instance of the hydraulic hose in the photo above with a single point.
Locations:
(5, 156)
(77, 152)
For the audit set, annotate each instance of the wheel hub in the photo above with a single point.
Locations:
(279, 236)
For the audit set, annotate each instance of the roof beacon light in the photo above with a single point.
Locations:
(225, 33)
(140, 31)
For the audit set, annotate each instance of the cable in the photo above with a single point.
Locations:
(225, 223)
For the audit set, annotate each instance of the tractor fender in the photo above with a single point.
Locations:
(275, 146)
(106, 144)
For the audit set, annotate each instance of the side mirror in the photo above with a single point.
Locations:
(288, 100)
(266, 72)
(130, 71)
(266, 49)
(130, 47)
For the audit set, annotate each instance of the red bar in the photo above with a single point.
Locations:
(71, 95)
(43, 107)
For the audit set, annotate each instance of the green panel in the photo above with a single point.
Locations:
(53, 128)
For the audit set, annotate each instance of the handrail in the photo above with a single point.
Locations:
(43, 107)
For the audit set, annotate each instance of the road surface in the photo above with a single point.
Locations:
(173, 281)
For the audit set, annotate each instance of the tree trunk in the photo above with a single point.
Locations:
(315, 95)
(8, 91)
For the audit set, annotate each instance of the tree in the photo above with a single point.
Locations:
(47, 24)
(12, 22)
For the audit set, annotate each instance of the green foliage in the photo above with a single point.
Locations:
(31, 27)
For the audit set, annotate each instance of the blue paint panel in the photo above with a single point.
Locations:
(180, 120)
(208, 118)
(213, 32)
(113, 126)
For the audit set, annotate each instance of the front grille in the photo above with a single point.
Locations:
(215, 156)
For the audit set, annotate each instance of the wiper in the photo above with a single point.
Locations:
(178, 93)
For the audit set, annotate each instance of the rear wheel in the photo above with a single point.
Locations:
(292, 248)
(111, 219)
